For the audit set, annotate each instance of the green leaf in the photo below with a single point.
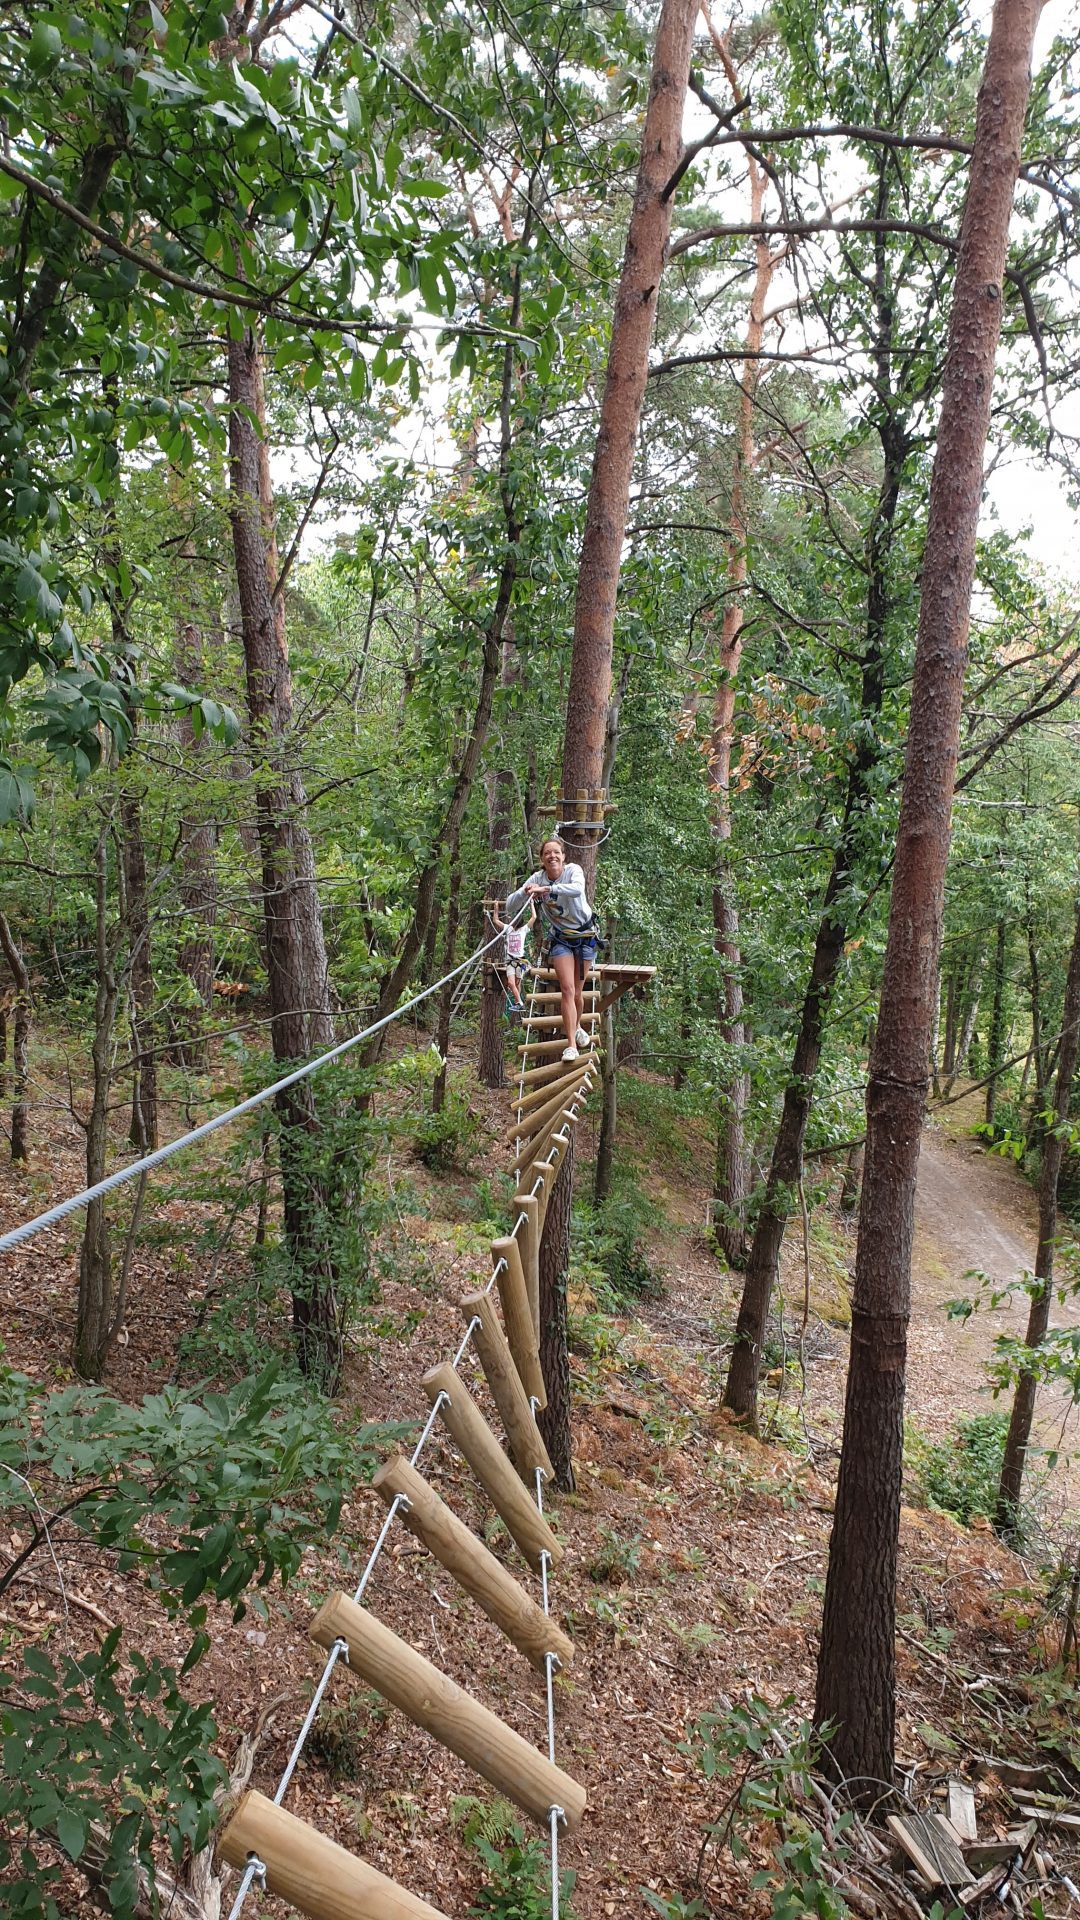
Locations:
(72, 1829)
(46, 46)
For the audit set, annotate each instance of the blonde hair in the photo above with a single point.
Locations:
(552, 840)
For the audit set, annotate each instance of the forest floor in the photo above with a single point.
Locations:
(695, 1554)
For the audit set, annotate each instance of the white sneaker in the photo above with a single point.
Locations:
(570, 1054)
(583, 1039)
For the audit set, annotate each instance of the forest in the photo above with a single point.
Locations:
(426, 428)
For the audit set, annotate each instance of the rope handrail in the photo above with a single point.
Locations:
(144, 1165)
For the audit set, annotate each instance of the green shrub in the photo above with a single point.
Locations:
(960, 1474)
(608, 1240)
(519, 1881)
(448, 1138)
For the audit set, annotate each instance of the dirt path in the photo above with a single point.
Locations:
(972, 1210)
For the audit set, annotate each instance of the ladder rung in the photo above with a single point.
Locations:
(433, 1701)
(468, 1561)
(314, 1873)
(467, 1426)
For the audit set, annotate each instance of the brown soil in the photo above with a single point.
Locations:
(695, 1554)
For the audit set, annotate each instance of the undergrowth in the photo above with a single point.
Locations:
(960, 1474)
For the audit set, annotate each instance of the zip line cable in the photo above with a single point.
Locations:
(17, 1235)
(138, 1169)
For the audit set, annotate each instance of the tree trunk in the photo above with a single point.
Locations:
(620, 410)
(20, 1059)
(965, 1022)
(446, 997)
(554, 1419)
(786, 1164)
(492, 1060)
(198, 872)
(731, 1185)
(609, 1092)
(144, 1102)
(295, 946)
(1007, 1509)
(94, 1308)
(856, 1665)
(995, 1049)
(852, 1181)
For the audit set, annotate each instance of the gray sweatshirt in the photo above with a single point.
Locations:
(566, 910)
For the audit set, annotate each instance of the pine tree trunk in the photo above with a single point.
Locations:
(786, 1164)
(620, 410)
(554, 1419)
(446, 997)
(995, 1049)
(1007, 1509)
(198, 871)
(856, 1665)
(609, 1091)
(94, 1307)
(144, 1102)
(292, 915)
(20, 1053)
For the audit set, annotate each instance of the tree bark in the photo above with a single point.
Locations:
(964, 1027)
(446, 997)
(198, 875)
(295, 945)
(20, 1052)
(94, 1307)
(492, 1060)
(856, 1665)
(144, 1103)
(731, 1183)
(786, 1164)
(609, 1093)
(554, 1419)
(995, 1048)
(620, 410)
(1007, 1508)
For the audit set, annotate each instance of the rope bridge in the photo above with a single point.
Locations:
(271, 1847)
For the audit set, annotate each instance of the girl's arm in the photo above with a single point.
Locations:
(531, 921)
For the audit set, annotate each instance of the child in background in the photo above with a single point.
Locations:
(516, 938)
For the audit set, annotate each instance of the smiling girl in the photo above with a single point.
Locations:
(558, 887)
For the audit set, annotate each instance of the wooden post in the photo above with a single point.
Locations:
(528, 1240)
(467, 1425)
(457, 1548)
(433, 1701)
(507, 1390)
(517, 1317)
(312, 1872)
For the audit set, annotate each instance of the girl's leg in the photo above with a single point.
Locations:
(512, 983)
(565, 970)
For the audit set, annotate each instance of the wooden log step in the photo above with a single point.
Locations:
(458, 1721)
(468, 1561)
(528, 1239)
(548, 1048)
(468, 1428)
(536, 1147)
(543, 1023)
(311, 1872)
(517, 1317)
(531, 1105)
(532, 1125)
(546, 1072)
(527, 1449)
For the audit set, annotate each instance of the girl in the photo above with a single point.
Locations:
(559, 886)
(515, 954)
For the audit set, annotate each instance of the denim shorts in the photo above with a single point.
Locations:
(583, 951)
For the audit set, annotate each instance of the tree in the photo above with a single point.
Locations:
(856, 1663)
(589, 692)
(1006, 1512)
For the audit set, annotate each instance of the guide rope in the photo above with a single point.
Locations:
(17, 1235)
